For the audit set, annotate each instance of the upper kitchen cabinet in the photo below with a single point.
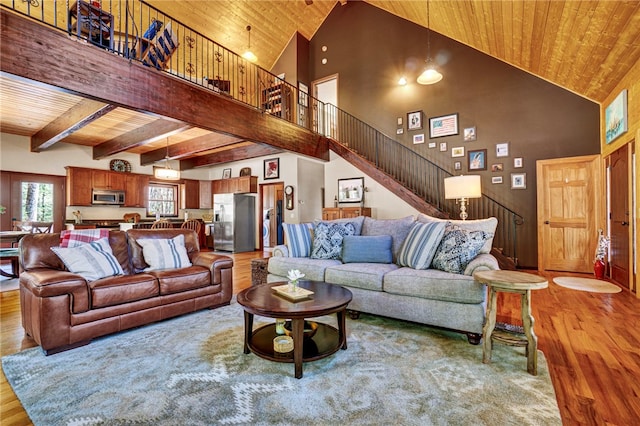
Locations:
(79, 181)
(206, 197)
(190, 194)
(239, 185)
(105, 179)
(136, 190)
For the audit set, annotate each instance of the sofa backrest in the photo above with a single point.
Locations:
(137, 258)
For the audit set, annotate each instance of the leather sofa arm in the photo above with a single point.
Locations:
(482, 262)
(281, 250)
(216, 263)
(50, 283)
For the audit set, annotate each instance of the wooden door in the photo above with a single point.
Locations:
(619, 215)
(568, 212)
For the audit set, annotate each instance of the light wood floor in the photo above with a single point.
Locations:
(591, 342)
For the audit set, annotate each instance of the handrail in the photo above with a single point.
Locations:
(125, 28)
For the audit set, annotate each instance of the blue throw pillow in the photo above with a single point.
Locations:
(421, 244)
(327, 239)
(457, 248)
(298, 237)
(361, 249)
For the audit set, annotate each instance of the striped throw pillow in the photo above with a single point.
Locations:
(298, 237)
(164, 253)
(91, 261)
(421, 244)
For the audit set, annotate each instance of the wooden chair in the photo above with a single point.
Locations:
(131, 217)
(192, 224)
(33, 227)
(162, 224)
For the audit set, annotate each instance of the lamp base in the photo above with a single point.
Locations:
(463, 209)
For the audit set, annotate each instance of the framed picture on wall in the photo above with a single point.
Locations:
(272, 168)
(517, 162)
(226, 173)
(615, 117)
(518, 181)
(477, 159)
(502, 149)
(414, 120)
(350, 190)
(419, 138)
(470, 134)
(457, 151)
(445, 125)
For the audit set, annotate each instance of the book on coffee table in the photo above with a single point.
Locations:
(299, 294)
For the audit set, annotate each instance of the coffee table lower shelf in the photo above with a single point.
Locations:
(325, 341)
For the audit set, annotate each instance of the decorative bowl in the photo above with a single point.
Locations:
(310, 329)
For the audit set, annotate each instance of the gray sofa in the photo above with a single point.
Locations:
(384, 286)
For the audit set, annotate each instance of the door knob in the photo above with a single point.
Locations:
(625, 223)
(546, 222)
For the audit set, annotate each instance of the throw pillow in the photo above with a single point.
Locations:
(298, 237)
(357, 222)
(457, 248)
(327, 239)
(91, 261)
(421, 244)
(164, 253)
(77, 237)
(372, 249)
(488, 225)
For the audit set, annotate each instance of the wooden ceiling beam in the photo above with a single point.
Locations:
(189, 147)
(227, 155)
(74, 119)
(141, 136)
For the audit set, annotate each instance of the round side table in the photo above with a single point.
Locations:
(511, 282)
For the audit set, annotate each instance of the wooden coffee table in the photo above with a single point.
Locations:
(263, 301)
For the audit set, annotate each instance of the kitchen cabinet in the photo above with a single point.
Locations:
(332, 213)
(136, 189)
(206, 195)
(190, 194)
(238, 185)
(105, 179)
(79, 186)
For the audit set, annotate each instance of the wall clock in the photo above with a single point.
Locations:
(288, 197)
(120, 165)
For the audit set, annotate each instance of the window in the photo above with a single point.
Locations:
(36, 202)
(163, 199)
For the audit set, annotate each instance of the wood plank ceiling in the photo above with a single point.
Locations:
(583, 46)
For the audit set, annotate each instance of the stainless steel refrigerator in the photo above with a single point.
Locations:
(234, 227)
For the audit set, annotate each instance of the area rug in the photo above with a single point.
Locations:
(587, 284)
(192, 370)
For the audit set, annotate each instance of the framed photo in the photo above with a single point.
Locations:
(303, 94)
(418, 138)
(502, 149)
(350, 190)
(432, 144)
(457, 165)
(615, 117)
(477, 159)
(496, 179)
(226, 173)
(443, 146)
(399, 121)
(271, 168)
(498, 167)
(414, 120)
(518, 181)
(469, 134)
(458, 151)
(446, 125)
(517, 163)
(399, 131)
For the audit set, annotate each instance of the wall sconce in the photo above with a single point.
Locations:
(461, 188)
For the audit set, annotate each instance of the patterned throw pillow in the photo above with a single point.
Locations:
(164, 253)
(91, 261)
(77, 237)
(421, 244)
(457, 248)
(327, 240)
(298, 237)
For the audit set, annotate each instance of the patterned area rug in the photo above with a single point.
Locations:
(587, 284)
(191, 370)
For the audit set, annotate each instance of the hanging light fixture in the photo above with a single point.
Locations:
(166, 172)
(248, 55)
(430, 75)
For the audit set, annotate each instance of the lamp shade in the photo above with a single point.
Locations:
(166, 173)
(457, 187)
(429, 76)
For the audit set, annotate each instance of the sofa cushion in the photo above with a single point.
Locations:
(421, 244)
(434, 284)
(122, 289)
(298, 238)
(167, 253)
(356, 221)
(367, 276)
(457, 248)
(487, 225)
(91, 261)
(327, 239)
(313, 269)
(367, 249)
(77, 237)
(397, 228)
(182, 279)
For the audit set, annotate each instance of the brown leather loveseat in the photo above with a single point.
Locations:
(61, 310)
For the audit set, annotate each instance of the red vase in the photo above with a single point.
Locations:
(598, 269)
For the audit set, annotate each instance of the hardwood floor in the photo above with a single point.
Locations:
(591, 342)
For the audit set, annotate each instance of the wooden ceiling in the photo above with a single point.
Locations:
(583, 46)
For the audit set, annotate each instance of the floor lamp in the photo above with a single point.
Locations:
(461, 188)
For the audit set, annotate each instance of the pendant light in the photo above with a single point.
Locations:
(248, 55)
(430, 75)
(166, 172)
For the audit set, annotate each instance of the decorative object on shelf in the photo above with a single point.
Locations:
(518, 181)
(445, 125)
(283, 344)
(118, 165)
(430, 75)
(310, 329)
(502, 149)
(271, 168)
(299, 294)
(477, 159)
(245, 171)
(226, 173)
(461, 188)
(166, 172)
(615, 117)
(78, 216)
(414, 120)
(599, 265)
(469, 134)
(288, 197)
(294, 275)
(335, 201)
(351, 190)
(280, 325)
(248, 54)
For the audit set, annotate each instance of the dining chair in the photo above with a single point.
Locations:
(162, 224)
(192, 224)
(33, 227)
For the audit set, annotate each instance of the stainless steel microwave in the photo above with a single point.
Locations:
(107, 197)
